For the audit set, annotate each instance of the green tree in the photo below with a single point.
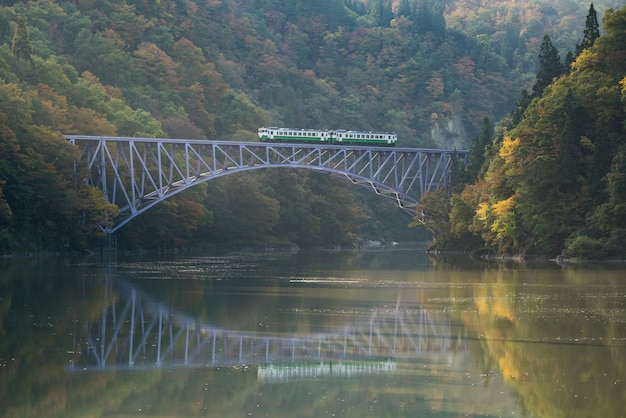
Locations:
(520, 107)
(592, 31)
(550, 66)
(299, 222)
(21, 46)
(433, 215)
(242, 213)
(478, 151)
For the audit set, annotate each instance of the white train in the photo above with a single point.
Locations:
(339, 136)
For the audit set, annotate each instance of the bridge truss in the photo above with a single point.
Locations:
(138, 173)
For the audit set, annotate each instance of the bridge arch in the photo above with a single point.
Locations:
(138, 173)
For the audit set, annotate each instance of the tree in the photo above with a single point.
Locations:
(592, 31)
(21, 46)
(550, 66)
(433, 214)
(480, 146)
(520, 107)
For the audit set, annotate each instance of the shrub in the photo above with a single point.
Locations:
(616, 244)
(584, 247)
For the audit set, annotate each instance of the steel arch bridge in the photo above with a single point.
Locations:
(138, 173)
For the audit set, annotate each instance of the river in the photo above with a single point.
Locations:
(381, 333)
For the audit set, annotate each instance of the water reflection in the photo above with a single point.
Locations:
(285, 335)
(137, 330)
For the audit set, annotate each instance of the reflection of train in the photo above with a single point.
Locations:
(338, 136)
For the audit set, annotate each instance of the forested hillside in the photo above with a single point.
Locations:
(555, 182)
(430, 71)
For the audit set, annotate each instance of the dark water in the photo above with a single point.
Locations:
(347, 334)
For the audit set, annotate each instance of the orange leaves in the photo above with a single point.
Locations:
(52, 109)
(157, 64)
(435, 86)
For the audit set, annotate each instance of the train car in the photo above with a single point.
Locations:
(339, 136)
(294, 135)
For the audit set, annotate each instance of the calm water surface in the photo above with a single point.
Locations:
(347, 334)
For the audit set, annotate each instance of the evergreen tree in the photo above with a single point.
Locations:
(21, 46)
(570, 159)
(456, 176)
(404, 9)
(376, 11)
(381, 12)
(550, 66)
(616, 178)
(592, 31)
(520, 107)
(569, 60)
(479, 149)
(428, 18)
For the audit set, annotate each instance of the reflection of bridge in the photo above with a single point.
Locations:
(138, 173)
(137, 331)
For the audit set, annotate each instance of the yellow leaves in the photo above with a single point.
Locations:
(482, 211)
(498, 219)
(504, 220)
(508, 149)
(586, 60)
(501, 208)
(496, 212)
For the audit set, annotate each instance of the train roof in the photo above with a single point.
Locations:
(365, 132)
(327, 130)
